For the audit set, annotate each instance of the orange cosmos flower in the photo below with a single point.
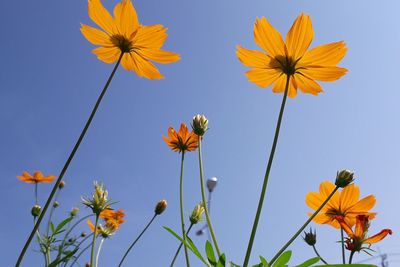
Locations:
(182, 141)
(113, 219)
(358, 238)
(36, 178)
(291, 58)
(124, 34)
(346, 204)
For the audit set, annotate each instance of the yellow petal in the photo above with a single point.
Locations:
(126, 17)
(299, 37)
(326, 189)
(159, 56)
(101, 16)
(324, 55)
(314, 200)
(321, 218)
(263, 77)
(326, 74)
(268, 38)
(150, 36)
(364, 205)
(141, 66)
(307, 85)
(280, 85)
(95, 36)
(107, 54)
(253, 58)
(349, 196)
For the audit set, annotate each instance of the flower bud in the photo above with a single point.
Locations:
(310, 238)
(83, 234)
(87, 264)
(160, 207)
(200, 124)
(344, 178)
(56, 204)
(197, 212)
(212, 183)
(74, 211)
(35, 211)
(61, 185)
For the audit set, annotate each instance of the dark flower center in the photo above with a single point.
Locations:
(286, 64)
(122, 43)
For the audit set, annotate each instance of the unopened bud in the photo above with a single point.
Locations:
(61, 185)
(87, 264)
(310, 238)
(197, 212)
(212, 183)
(200, 124)
(83, 234)
(35, 211)
(56, 204)
(344, 178)
(161, 206)
(74, 211)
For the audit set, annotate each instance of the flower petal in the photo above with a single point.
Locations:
(314, 200)
(253, 58)
(324, 55)
(263, 77)
(326, 74)
(107, 54)
(126, 17)
(152, 36)
(363, 206)
(268, 38)
(326, 189)
(143, 68)
(344, 226)
(307, 85)
(349, 196)
(159, 56)
(378, 237)
(299, 37)
(101, 16)
(95, 36)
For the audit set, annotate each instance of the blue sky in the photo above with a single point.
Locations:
(50, 80)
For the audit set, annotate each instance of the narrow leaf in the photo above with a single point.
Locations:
(210, 254)
(221, 261)
(309, 262)
(283, 259)
(264, 262)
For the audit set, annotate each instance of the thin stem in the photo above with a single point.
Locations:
(182, 209)
(80, 254)
(66, 165)
(203, 196)
(209, 211)
(316, 252)
(36, 194)
(342, 241)
(351, 257)
(180, 246)
(77, 246)
(39, 240)
(265, 183)
(304, 226)
(94, 240)
(51, 212)
(98, 252)
(136, 240)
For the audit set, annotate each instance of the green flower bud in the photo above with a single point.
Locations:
(35, 211)
(200, 124)
(74, 211)
(310, 238)
(56, 204)
(161, 206)
(344, 178)
(61, 185)
(197, 213)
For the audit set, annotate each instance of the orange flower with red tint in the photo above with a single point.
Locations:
(358, 237)
(113, 219)
(36, 178)
(181, 141)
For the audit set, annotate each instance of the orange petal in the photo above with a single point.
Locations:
(263, 77)
(364, 205)
(159, 56)
(326, 74)
(378, 237)
(152, 36)
(324, 55)
(299, 37)
(95, 36)
(141, 66)
(268, 38)
(253, 58)
(307, 85)
(101, 16)
(314, 201)
(126, 17)
(107, 54)
(349, 196)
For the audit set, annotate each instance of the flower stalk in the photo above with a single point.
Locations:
(67, 163)
(342, 243)
(182, 209)
(180, 246)
(94, 240)
(265, 183)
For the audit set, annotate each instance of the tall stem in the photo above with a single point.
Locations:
(203, 196)
(94, 240)
(303, 227)
(265, 183)
(342, 241)
(98, 252)
(182, 209)
(136, 240)
(66, 165)
(319, 256)
(79, 255)
(351, 257)
(180, 246)
(36, 193)
(51, 212)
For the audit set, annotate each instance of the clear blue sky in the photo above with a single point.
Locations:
(50, 80)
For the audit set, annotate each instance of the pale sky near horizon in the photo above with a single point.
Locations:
(50, 80)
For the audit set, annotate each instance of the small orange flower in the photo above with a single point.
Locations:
(182, 141)
(113, 219)
(358, 238)
(36, 178)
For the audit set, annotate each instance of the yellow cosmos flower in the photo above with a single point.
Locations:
(181, 141)
(36, 178)
(346, 204)
(291, 58)
(123, 34)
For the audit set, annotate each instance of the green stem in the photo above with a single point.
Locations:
(265, 183)
(51, 212)
(342, 241)
(180, 246)
(316, 252)
(80, 254)
(78, 246)
(66, 165)
(94, 240)
(203, 196)
(98, 252)
(36, 193)
(304, 226)
(351, 257)
(182, 209)
(136, 240)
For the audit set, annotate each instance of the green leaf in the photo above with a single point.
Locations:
(347, 265)
(210, 253)
(59, 260)
(264, 262)
(61, 225)
(258, 265)
(283, 259)
(188, 244)
(309, 262)
(52, 227)
(221, 261)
